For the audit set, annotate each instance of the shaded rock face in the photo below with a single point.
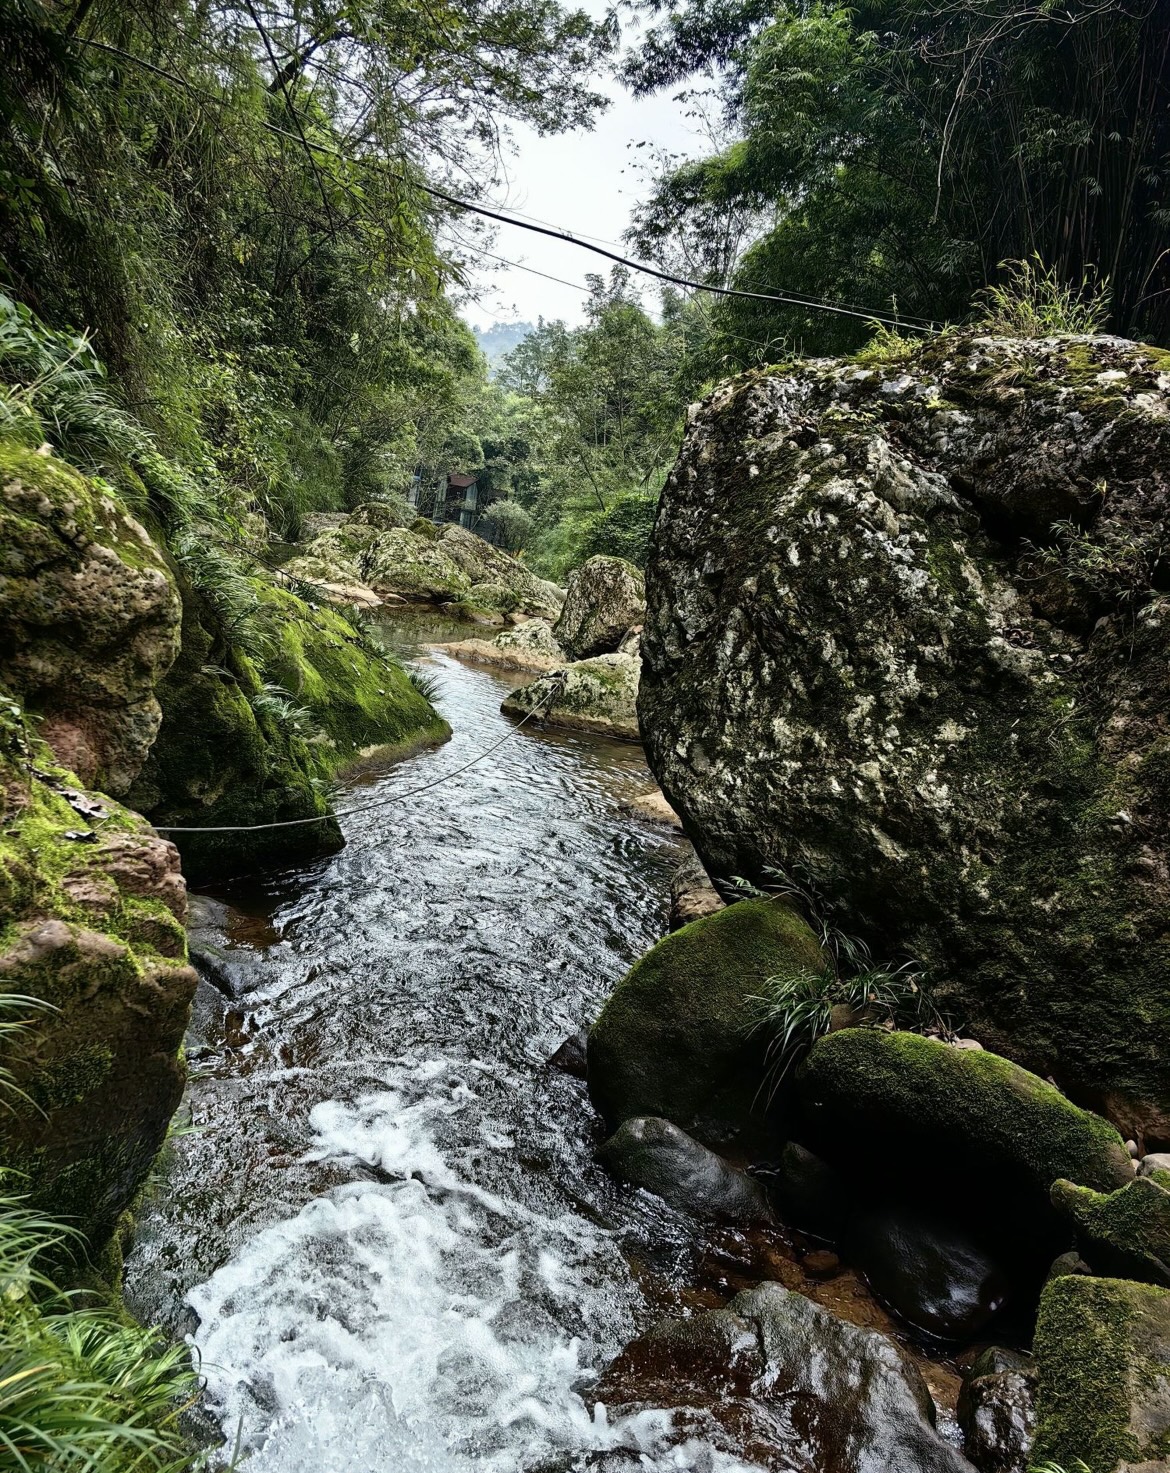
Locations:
(659, 1157)
(676, 1037)
(606, 596)
(1102, 1351)
(92, 926)
(1126, 1232)
(789, 1386)
(692, 895)
(905, 639)
(591, 695)
(997, 1411)
(89, 617)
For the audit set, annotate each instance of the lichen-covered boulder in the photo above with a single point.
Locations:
(382, 515)
(1102, 1350)
(591, 695)
(1124, 1233)
(92, 907)
(991, 1132)
(89, 614)
(788, 1385)
(677, 1038)
(528, 646)
(605, 597)
(255, 738)
(905, 639)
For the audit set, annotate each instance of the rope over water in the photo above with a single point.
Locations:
(557, 679)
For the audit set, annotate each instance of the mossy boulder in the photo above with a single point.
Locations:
(1102, 1350)
(905, 639)
(605, 597)
(677, 1037)
(1124, 1233)
(953, 1125)
(89, 616)
(92, 910)
(591, 695)
(257, 725)
(527, 646)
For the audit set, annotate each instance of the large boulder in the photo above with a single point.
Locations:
(93, 906)
(789, 1385)
(605, 597)
(905, 640)
(89, 614)
(1103, 1360)
(596, 695)
(677, 1038)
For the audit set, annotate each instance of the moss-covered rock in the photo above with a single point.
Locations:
(677, 1038)
(527, 646)
(605, 598)
(255, 738)
(92, 910)
(592, 695)
(996, 1137)
(1124, 1233)
(89, 616)
(905, 640)
(1102, 1350)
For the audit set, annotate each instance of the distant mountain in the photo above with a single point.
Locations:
(501, 338)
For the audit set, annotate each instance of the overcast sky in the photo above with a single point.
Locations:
(583, 182)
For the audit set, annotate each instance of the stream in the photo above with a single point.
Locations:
(382, 1229)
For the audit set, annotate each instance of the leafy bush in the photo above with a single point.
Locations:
(624, 530)
(511, 522)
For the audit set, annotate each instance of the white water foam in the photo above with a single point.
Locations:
(421, 1323)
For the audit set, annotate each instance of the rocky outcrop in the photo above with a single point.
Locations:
(449, 565)
(788, 1385)
(92, 907)
(89, 617)
(258, 720)
(1103, 1368)
(597, 695)
(677, 1039)
(527, 646)
(606, 596)
(905, 641)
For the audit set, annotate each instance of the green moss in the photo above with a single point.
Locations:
(676, 1037)
(1101, 1349)
(1126, 1232)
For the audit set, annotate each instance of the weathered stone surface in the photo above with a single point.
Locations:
(692, 895)
(528, 646)
(676, 1037)
(606, 596)
(789, 1385)
(1127, 1232)
(92, 906)
(652, 805)
(905, 639)
(89, 614)
(593, 695)
(654, 1154)
(1102, 1351)
(997, 1411)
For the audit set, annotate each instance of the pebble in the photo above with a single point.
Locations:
(1132, 1148)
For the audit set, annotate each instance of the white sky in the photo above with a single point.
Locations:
(584, 182)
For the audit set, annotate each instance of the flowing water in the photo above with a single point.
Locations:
(384, 1233)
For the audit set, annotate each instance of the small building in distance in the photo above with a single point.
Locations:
(452, 497)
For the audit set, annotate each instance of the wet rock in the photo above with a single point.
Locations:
(808, 1192)
(692, 895)
(652, 805)
(791, 1386)
(927, 1271)
(676, 1038)
(1126, 1232)
(593, 695)
(995, 1136)
(1102, 1350)
(821, 1264)
(661, 1158)
(858, 668)
(570, 1057)
(997, 1411)
(604, 598)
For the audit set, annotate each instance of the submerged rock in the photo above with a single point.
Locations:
(692, 895)
(659, 1157)
(1126, 1232)
(1102, 1351)
(606, 596)
(928, 1271)
(676, 1037)
(789, 1385)
(997, 1411)
(900, 642)
(593, 695)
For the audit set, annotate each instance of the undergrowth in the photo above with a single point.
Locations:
(1034, 302)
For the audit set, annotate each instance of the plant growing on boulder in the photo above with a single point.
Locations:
(1034, 301)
